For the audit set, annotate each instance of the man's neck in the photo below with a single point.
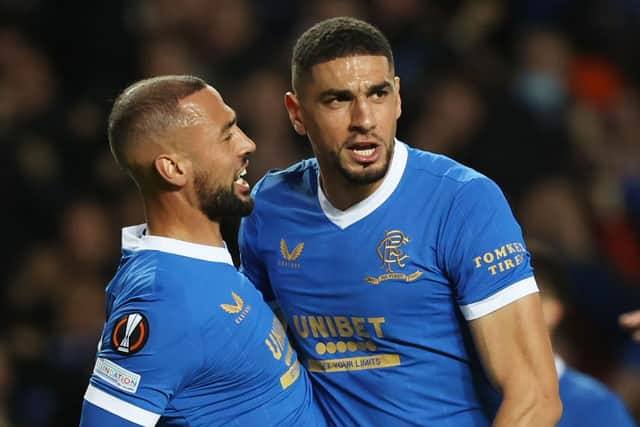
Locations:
(342, 194)
(189, 225)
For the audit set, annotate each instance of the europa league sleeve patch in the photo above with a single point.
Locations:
(130, 333)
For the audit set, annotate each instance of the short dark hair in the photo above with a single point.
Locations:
(147, 108)
(336, 38)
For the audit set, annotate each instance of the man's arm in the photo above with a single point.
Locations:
(93, 415)
(515, 350)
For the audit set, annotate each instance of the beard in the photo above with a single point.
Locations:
(365, 176)
(219, 203)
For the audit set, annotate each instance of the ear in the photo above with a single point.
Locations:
(292, 105)
(172, 169)
(399, 100)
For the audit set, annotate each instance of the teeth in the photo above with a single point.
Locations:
(365, 153)
(240, 180)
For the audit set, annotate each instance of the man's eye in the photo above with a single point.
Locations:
(380, 93)
(229, 136)
(335, 100)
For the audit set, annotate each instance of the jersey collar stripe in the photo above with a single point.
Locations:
(120, 408)
(134, 239)
(560, 365)
(500, 299)
(355, 213)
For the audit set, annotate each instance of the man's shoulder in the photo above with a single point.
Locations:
(161, 275)
(441, 167)
(298, 180)
(578, 385)
(136, 275)
(582, 394)
(450, 178)
(291, 175)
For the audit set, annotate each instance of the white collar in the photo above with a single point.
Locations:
(560, 365)
(135, 239)
(353, 214)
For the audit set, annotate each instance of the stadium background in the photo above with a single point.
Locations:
(541, 95)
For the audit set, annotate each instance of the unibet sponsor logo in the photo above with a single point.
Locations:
(338, 326)
(276, 340)
(501, 259)
(277, 343)
(359, 329)
(290, 376)
(344, 347)
(354, 363)
(359, 332)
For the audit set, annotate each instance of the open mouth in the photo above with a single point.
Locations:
(241, 174)
(364, 152)
(240, 181)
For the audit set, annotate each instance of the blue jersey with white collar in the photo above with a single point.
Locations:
(189, 341)
(586, 402)
(377, 296)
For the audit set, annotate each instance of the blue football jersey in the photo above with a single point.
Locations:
(378, 296)
(189, 341)
(587, 402)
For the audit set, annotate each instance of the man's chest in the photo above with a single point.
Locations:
(368, 294)
(372, 268)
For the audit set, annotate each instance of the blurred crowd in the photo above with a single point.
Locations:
(543, 96)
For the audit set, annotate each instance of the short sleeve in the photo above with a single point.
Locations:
(141, 362)
(483, 251)
(251, 264)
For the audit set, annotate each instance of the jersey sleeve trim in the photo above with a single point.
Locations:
(120, 408)
(500, 299)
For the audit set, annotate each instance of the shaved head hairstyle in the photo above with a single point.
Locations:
(146, 110)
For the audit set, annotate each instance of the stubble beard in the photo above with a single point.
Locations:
(366, 176)
(219, 203)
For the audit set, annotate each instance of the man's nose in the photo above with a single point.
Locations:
(248, 146)
(362, 115)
